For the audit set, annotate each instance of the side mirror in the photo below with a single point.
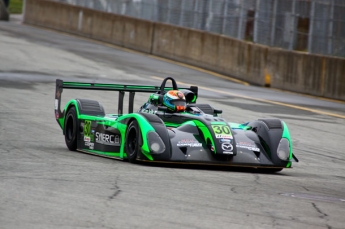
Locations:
(217, 111)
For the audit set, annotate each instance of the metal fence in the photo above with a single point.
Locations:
(314, 26)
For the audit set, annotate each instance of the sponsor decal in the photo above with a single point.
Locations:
(56, 104)
(246, 144)
(222, 131)
(189, 142)
(212, 148)
(90, 145)
(58, 94)
(227, 147)
(149, 111)
(107, 139)
(87, 139)
(224, 136)
(248, 147)
(87, 130)
(57, 114)
(228, 152)
(225, 140)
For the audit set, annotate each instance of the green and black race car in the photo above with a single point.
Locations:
(170, 127)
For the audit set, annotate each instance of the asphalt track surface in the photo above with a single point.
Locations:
(43, 185)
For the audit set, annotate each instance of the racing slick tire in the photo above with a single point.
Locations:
(71, 129)
(132, 141)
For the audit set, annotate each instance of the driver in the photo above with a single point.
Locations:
(175, 101)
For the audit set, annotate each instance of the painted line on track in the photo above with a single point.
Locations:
(260, 100)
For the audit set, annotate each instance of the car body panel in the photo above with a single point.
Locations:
(196, 138)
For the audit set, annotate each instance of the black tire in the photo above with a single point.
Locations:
(132, 141)
(71, 125)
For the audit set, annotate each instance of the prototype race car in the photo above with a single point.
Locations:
(170, 127)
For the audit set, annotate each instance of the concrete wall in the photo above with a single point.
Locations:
(311, 74)
(120, 30)
(4, 14)
(257, 64)
(211, 51)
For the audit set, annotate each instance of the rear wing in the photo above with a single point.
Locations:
(121, 88)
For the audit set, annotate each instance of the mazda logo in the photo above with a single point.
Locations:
(227, 147)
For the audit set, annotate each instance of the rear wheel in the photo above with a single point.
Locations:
(132, 141)
(71, 129)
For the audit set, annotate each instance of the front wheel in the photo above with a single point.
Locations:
(71, 129)
(132, 141)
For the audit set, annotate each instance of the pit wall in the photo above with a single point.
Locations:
(261, 65)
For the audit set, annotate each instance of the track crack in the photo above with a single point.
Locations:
(322, 216)
(116, 188)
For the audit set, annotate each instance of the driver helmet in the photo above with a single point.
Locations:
(175, 101)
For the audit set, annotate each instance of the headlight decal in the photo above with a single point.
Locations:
(286, 134)
(283, 150)
(155, 143)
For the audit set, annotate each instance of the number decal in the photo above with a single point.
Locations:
(217, 129)
(222, 131)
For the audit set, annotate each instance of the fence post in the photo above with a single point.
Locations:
(240, 21)
(293, 25)
(107, 7)
(181, 13)
(209, 16)
(225, 13)
(330, 28)
(274, 21)
(169, 12)
(311, 28)
(154, 9)
(195, 13)
(24, 9)
(256, 21)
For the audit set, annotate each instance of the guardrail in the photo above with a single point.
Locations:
(262, 65)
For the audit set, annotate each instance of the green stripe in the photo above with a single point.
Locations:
(110, 154)
(206, 132)
(144, 126)
(286, 134)
(192, 123)
(218, 123)
(110, 85)
(171, 124)
(146, 87)
(77, 84)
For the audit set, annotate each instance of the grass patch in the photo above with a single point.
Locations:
(16, 6)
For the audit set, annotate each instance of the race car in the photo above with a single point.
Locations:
(170, 127)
